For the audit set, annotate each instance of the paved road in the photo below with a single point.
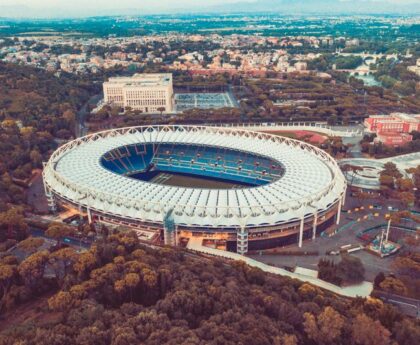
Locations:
(36, 195)
(76, 243)
(363, 290)
(408, 306)
(232, 96)
(356, 150)
(81, 129)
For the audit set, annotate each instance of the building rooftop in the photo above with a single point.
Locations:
(397, 116)
(146, 79)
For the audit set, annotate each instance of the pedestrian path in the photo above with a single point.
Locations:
(362, 290)
(295, 126)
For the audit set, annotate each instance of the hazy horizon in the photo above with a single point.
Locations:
(81, 8)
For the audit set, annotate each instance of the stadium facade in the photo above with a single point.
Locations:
(284, 191)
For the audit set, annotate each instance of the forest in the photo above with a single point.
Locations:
(37, 110)
(122, 292)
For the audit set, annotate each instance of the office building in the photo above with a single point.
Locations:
(149, 93)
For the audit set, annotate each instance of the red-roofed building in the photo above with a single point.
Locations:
(394, 139)
(394, 129)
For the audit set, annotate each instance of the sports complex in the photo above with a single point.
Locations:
(248, 190)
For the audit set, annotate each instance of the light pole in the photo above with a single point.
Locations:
(381, 243)
(387, 230)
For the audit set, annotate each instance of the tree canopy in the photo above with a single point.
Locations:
(122, 292)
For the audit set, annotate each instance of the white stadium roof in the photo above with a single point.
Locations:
(311, 183)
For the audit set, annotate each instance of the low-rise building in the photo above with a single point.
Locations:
(415, 69)
(394, 139)
(393, 129)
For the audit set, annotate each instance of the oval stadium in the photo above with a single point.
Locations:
(247, 190)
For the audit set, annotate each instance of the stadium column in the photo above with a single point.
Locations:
(89, 215)
(314, 225)
(302, 223)
(344, 196)
(339, 210)
(50, 196)
(51, 200)
(242, 241)
(170, 236)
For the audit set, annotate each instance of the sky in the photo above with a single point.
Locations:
(36, 8)
(112, 4)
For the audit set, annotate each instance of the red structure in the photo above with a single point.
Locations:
(394, 139)
(394, 129)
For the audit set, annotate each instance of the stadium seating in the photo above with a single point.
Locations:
(206, 161)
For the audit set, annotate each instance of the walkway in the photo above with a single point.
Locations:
(368, 177)
(362, 290)
(295, 126)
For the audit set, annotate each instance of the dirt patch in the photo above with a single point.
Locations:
(31, 312)
(36, 195)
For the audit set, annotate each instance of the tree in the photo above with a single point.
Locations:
(407, 332)
(124, 336)
(13, 224)
(327, 270)
(32, 269)
(161, 110)
(407, 198)
(149, 278)
(62, 301)
(404, 184)
(332, 120)
(391, 169)
(380, 277)
(415, 173)
(61, 261)
(129, 282)
(289, 339)
(369, 332)
(70, 117)
(36, 158)
(350, 269)
(387, 181)
(325, 328)
(394, 286)
(30, 244)
(354, 169)
(85, 262)
(408, 264)
(58, 231)
(132, 280)
(7, 275)
(396, 218)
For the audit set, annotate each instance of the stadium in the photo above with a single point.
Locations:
(248, 190)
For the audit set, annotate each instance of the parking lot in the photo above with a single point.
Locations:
(350, 225)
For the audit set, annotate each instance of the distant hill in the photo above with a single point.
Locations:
(318, 6)
(242, 6)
